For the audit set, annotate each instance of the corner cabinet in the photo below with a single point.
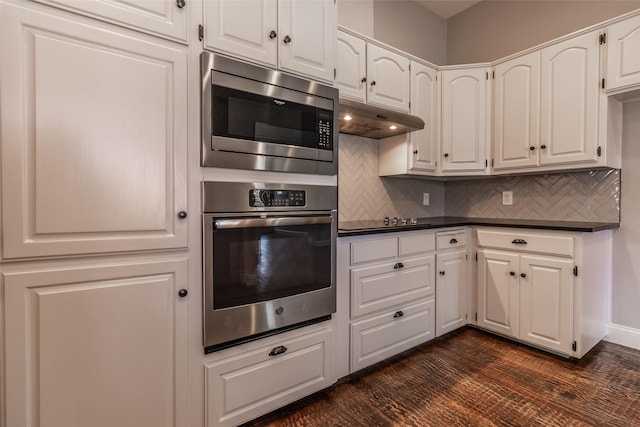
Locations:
(545, 288)
(465, 115)
(386, 293)
(415, 153)
(294, 36)
(623, 61)
(93, 134)
(97, 343)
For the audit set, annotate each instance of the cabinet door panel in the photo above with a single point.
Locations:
(424, 104)
(569, 101)
(498, 291)
(311, 27)
(517, 112)
(351, 67)
(94, 149)
(452, 282)
(242, 29)
(388, 78)
(623, 61)
(464, 118)
(159, 17)
(97, 345)
(546, 295)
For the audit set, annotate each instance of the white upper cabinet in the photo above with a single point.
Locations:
(569, 101)
(296, 36)
(623, 54)
(351, 67)
(464, 121)
(246, 29)
(388, 78)
(424, 104)
(164, 18)
(94, 137)
(516, 109)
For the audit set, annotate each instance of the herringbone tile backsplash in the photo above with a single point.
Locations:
(571, 196)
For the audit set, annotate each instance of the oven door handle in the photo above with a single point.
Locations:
(219, 224)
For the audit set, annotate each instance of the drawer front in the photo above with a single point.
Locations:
(455, 240)
(383, 286)
(245, 386)
(373, 250)
(417, 244)
(390, 333)
(527, 242)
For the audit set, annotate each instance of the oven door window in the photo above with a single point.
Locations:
(249, 116)
(255, 264)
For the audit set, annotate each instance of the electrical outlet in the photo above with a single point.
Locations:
(425, 199)
(507, 198)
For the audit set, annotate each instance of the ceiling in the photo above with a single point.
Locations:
(446, 8)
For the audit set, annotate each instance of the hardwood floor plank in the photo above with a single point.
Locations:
(472, 378)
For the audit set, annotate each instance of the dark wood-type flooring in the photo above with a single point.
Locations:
(471, 378)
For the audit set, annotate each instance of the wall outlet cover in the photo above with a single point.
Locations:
(425, 199)
(507, 198)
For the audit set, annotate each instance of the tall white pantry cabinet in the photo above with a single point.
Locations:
(93, 274)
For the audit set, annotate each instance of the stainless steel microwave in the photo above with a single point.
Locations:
(261, 119)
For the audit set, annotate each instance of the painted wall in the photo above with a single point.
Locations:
(412, 28)
(491, 30)
(356, 15)
(625, 301)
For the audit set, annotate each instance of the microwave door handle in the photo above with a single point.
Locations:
(269, 222)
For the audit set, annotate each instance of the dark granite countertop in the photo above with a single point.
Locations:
(358, 228)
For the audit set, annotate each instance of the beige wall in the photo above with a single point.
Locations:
(491, 30)
(407, 26)
(356, 15)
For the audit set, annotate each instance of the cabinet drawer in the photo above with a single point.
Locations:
(413, 245)
(372, 250)
(390, 333)
(526, 241)
(383, 286)
(455, 240)
(247, 385)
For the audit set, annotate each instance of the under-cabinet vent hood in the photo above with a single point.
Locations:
(375, 122)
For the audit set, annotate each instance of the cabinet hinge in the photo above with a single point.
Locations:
(334, 73)
(603, 38)
(200, 32)
(602, 83)
(466, 316)
(486, 163)
(599, 151)
(476, 256)
(493, 75)
(575, 270)
(574, 346)
(492, 162)
(466, 257)
(487, 75)
(409, 104)
(476, 317)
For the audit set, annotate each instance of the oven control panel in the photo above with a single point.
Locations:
(259, 198)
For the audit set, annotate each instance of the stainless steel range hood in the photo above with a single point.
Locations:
(375, 122)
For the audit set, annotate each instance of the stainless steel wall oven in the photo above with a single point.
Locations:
(261, 119)
(268, 259)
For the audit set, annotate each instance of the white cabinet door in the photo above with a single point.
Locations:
(388, 77)
(351, 67)
(424, 104)
(516, 106)
(163, 18)
(94, 137)
(498, 295)
(464, 120)
(623, 57)
(451, 291)
(546, 302)
(246, 29)
(307, 37)
(97, 345)
(569, 101)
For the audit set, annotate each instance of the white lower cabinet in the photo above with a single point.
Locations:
(549, 289)
(386, 296)
(452, 281)
(96, 343)
(245, 382)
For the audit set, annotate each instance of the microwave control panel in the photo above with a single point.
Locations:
(259, 198)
